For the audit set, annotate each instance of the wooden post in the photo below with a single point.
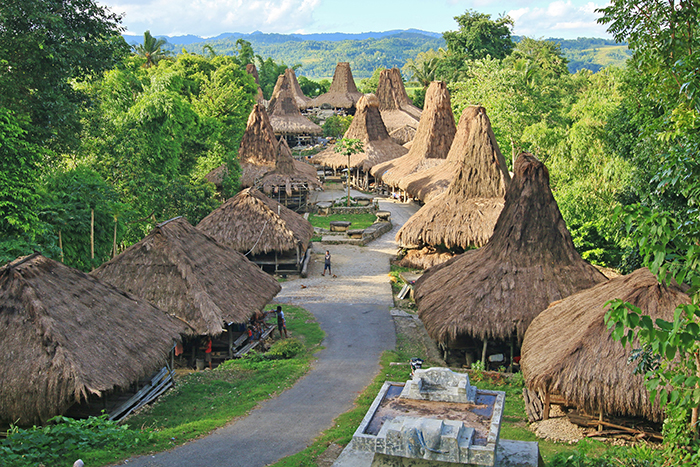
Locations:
(547, 405)
(230, 340)
(600, 419)
(483, 353)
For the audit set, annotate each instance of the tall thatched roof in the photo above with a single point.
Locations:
(466, 214)
(367, 126)
(434, 136)
(250, 68)
(568, 349)
(529, 262)
(187, 273)
(258, 151)
(65, 335)
(284, 108)
(252, 222)
(289, 174)
(396, 108)
(343, 93)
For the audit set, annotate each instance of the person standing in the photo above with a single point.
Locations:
(281, 323)
(327, 263)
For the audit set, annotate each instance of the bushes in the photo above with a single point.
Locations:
(287, 348)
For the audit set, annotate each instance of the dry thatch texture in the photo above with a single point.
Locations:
(403, 135)
(342, 94)
(568, 349)
(252, 222)
(434, 136)
(65, 335)
(368, 127)
(396, 108)
(466, 214)
(187, 273)
(529, 262)
(284, 108)
(258, 151)
(424, 258)
(289, 174)
(250, 68)
(289, 79)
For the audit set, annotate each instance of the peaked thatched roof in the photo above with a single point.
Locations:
(284, 108)
(466, 214)
(289, 174)
(187, 273)
(343, 93)
(250, 68)
(258, 151)
(65, 335)
(396, 108)
(252, 222)
(367, 126)
(529, 262)
(403, 135)
(568, 349)
(434, 136)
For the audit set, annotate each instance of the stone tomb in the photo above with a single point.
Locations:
(438, 419)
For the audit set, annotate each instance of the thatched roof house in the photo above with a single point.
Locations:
(367, 126)
(284, 109)
(251, 70)
(434, 136)
(289, 174)
(568, 349)
(250, 222)
(258, 151)
(187, 273)
(396, 108)
(66, 335)
(288, 79)
(342, 94)
(465, 215)
(529, 262)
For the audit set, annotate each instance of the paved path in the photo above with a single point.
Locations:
(353, 310)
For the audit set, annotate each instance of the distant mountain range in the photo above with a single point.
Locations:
(319, 53)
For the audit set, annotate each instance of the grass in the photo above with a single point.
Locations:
(359, 221)
(203, 401)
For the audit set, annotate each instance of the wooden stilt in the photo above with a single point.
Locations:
(547, 406)
(483, 353)
(600, 420)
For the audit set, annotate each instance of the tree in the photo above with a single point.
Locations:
(348, 147)
(312, 88)
(151, 50)
(479, 36)
(423, 70)
(369, 85)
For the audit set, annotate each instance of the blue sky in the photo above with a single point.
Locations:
(567, 19)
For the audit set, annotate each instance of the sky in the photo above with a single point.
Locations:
(567, 19)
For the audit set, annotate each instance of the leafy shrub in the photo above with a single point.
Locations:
(336, 125)
(287, 348)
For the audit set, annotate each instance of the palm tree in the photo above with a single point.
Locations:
(423, 69)
(151, 49)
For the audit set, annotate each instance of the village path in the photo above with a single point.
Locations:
(353, 311)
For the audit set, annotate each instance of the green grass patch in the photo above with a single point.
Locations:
(359, 221)
(199, 403)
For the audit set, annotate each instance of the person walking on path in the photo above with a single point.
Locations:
(327, 263)
(281, 323)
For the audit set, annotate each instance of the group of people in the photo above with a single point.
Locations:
(257, 323)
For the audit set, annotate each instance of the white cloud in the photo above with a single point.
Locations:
(204, 17)
(559, 19)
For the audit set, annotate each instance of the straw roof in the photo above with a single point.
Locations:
(343, 93)
(250, 68)
(403, 135)
(289, 174)
(284, 108)
(65, 335)
(187, 273)
(568, 349)
(466, 214)
(529, 262)
(252, 222)
(424, 258)
(396, 108)
(367, 126)
(434, 136)
(258, 151)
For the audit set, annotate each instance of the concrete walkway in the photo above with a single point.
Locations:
(353, 310)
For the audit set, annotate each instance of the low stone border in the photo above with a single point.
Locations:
(375, 231)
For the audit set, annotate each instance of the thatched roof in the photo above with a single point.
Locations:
(187, 273)
(529, 262)
(465, 215)
(403, 135)
(289, 174)
(368, 127)
(423, 258)
(250, 68)
(343, 93)
(252, 222)
(258, 151)
(65, 335)
(284, 108)
(434, 136)
(568, 349)
(396, 108)
(217, 175)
